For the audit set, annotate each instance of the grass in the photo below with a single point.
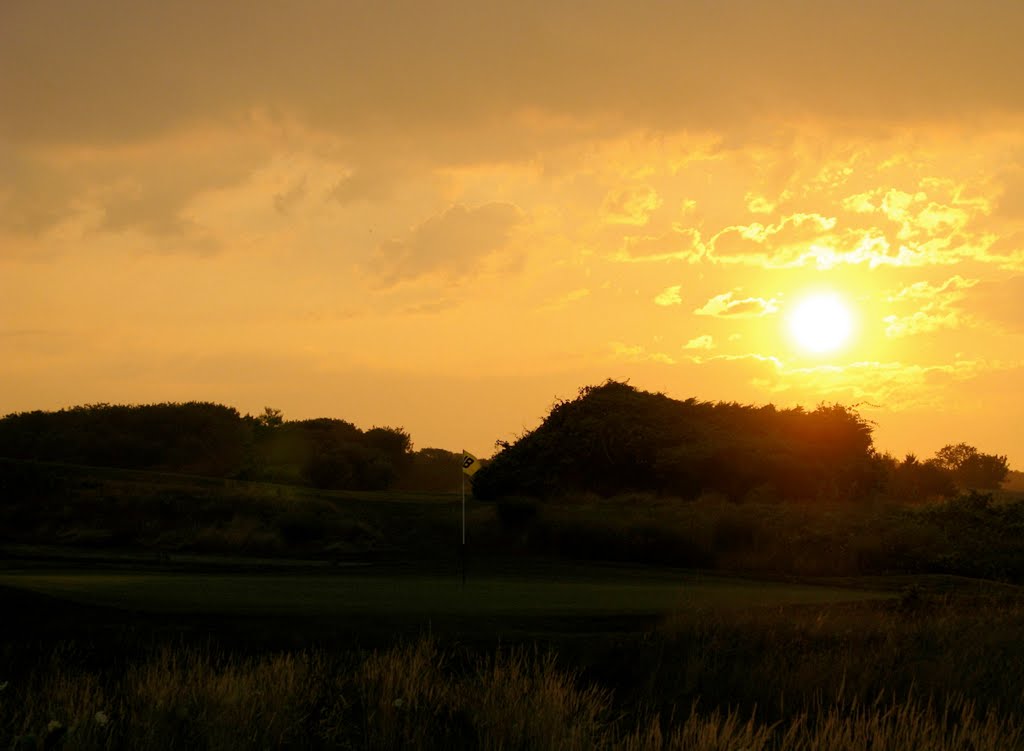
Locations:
(113, 511)
(623, 591)
(420, 695)
(222, 615)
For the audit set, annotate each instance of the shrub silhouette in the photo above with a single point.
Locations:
(614, 438)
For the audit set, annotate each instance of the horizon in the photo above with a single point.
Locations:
(484, 455)
(447, 219)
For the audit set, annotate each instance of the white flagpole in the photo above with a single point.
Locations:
(462, 550)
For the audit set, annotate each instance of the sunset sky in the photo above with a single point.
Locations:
(446, 216)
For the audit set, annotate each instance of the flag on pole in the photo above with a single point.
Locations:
(470, 464)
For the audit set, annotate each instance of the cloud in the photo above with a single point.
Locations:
(34, 194)
(936, 309)
(669, 296)
(365, 184)
(286, 199)
(452, 244)
(566, 300)
(724, 306)
(705, 341)
(394, 68)
(743, 243)
(631, 205)
(758, 204)
(120, 189)
(681, 244)
(638, 353)
(771, 244)
(893, 385)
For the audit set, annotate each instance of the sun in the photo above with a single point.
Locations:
(821, 323)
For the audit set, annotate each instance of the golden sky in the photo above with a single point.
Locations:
(445, 216)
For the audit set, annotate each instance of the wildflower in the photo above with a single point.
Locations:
(102, 718)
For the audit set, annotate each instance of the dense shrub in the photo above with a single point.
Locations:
(614, 438)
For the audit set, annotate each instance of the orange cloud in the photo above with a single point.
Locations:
(631, 205)
(452, 244)
(669, 296)
(937, 309)
(725, 306)
(705, 341)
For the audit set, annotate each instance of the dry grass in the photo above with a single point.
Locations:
(420, 696)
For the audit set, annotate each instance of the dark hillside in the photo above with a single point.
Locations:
(197, 437)
(212, 440)
(614, 438)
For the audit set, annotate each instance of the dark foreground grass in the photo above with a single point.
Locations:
(420, 696)
(552, 590)
(929, 672)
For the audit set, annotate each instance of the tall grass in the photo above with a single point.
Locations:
(974, 535)
(422, 696)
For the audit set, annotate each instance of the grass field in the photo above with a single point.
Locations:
(615, 591)
(141, 610)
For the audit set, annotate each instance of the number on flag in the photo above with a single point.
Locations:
(470, 464)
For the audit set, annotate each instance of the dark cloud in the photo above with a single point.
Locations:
(408, 71)
(451, 244)
(286, 199)
(364, 185)
(34, 195)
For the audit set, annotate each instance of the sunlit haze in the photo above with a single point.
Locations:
(446, 216)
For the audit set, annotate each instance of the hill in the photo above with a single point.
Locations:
(614, 438)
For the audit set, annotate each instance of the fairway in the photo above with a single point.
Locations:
(326, 595)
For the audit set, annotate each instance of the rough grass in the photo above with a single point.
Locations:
(975, 535)
(169, 515)
(553, 591)
(422, 696)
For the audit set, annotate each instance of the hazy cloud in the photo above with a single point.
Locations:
(452, 244)
(669, 296)
(286, 199)
(704, 341)
(725, 306)
(382, 68)
(364, 185)
(639, 353)
(567, 299)
(631, 205)
(896, 385)
(936, 311)
(682, 244)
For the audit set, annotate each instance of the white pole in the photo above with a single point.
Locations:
(462, 550)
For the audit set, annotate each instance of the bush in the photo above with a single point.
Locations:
(516, 514)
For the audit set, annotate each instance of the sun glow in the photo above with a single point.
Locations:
(821, 323)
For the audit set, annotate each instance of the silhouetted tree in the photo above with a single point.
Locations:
(432, 469)
(615, 438)
(971, 469)
(914, 480)
(210, 439)
(270, 419)
(195, 437)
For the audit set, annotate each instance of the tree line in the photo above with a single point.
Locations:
(214, 440)
(614, 438)
(611, 439)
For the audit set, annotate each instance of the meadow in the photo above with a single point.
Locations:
(250, 615)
